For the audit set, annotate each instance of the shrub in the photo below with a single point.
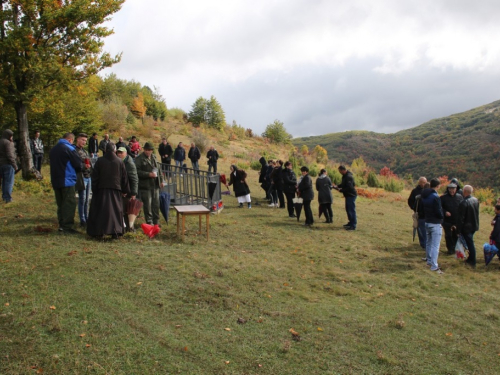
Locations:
(372, 180)
(486, 196)
(393, 184)
(255, 165)
(249, 133)
(242, 165)
(200, 140)
(335, 176)
(313, 170)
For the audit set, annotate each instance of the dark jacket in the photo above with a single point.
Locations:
(180, 154)
(450, 204)
(432, 206)
(84, 155)
(110, 173)
(65, 163)
(103, 144)
(348, 185)
(212, 156)
(306, 188)
(36, 146)
(7, 149)
(468, 215)
(263, 169)
(413, 195)
(277, 177)
(124, 145)
(289, 181)
(144, 168)
(194, 154)
(93, 145)
(324, 188)
(420, 207)
(237, 179)
(495, 233)
(133, 179)
(165, 152)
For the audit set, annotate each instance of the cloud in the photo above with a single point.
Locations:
(315, 65)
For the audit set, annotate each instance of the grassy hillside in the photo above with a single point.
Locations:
(464, 145)
(265, 295)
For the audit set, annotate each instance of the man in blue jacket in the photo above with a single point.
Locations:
(433, 220)
(64, 165)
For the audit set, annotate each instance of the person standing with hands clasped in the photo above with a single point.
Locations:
(306, 192)
(348, 188)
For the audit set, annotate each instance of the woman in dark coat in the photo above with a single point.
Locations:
(277, 185)
(306, 192)
(325, 198)
(109, 182)
(289, 187)
(241, 190)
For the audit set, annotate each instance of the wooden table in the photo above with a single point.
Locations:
(191, 210)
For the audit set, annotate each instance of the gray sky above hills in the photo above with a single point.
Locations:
(319, 66)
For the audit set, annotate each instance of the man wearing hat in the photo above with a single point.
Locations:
(450, 202)
(150, 182)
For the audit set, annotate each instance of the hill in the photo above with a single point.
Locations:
(464, 145)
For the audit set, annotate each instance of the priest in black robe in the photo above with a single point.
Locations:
(109, 184)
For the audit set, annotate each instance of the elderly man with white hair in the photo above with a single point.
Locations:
(468, 222)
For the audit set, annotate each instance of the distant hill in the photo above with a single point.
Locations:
(465, 145)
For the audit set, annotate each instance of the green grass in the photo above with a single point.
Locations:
(362, 302)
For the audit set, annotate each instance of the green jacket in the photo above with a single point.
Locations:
(144, 168)
(133, 180)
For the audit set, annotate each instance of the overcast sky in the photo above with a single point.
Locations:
(319, 66)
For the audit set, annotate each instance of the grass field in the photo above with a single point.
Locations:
(265, 295)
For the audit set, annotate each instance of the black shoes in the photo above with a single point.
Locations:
(349, 228)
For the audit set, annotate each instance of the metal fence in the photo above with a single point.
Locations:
(188, 186)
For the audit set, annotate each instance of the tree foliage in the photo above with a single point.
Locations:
(321, 154)
(277, 133)
(208, 112)
(48, 43)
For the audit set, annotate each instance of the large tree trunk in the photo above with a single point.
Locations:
(24, 140)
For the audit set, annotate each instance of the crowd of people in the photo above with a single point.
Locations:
(278, 180)
(456, 212)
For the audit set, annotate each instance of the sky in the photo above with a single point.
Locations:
(318, 66)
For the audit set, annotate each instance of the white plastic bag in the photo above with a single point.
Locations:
(460, 249)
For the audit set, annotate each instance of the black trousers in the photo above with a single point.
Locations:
(451, 237)
(289, 202)
(327, 211)
(308, 212)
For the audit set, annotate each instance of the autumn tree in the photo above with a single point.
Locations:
(137, 107)
(321, 154)
(277, 133)
(45, 44)
(304, 150)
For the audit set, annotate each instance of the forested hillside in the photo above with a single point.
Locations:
(464, 145)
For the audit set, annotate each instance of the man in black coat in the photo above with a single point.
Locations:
(93, 145)
(414, 203)
(450, 202)
(165, 150)
(306, 192)
(468, 222)
(348, 189)
(194, 155)
(212, 156)
(289, 187)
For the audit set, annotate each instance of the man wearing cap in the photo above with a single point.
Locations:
(133, 182)
(468, 222)
(450, 202)
(150, 182)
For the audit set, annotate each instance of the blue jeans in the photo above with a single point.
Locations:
(421, 233)
(83, 201)
(37, 161)
(469, 240)
(7, 173)
(178, 163)
(195, 165)
(434, 233)
(350, 209)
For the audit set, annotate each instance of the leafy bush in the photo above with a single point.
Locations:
(242, 165)
(372, 180)
(255, 165)
(486, 196)
(393, 184)
(335, 176)
(200, 140)
(313, 170)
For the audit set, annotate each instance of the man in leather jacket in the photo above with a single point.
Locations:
(468, 222)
